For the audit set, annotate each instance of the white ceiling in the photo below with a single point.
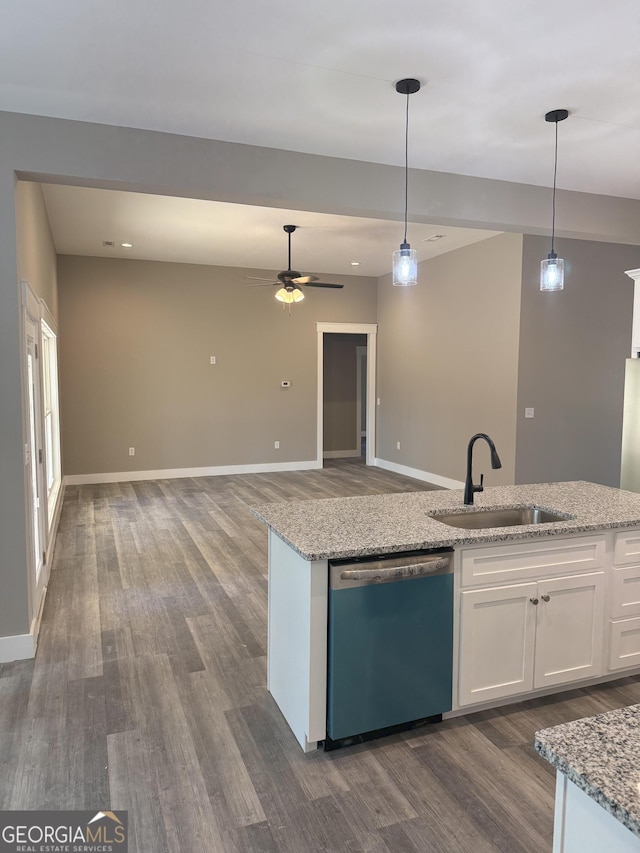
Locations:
(207, 232)
(319, 78)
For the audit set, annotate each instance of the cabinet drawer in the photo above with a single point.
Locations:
(624, 643)
(626, 548)
(625, 592)
(531, 560)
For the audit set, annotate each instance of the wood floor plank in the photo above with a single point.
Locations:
(166, 750)
(229, 786)
(512, 809)
(443, 822)
(373, 792)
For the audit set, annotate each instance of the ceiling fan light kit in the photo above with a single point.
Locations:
(289, 295)
(552, 267)
(405, 260)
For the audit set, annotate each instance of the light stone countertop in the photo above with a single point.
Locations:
(337, 528)
(601, 755)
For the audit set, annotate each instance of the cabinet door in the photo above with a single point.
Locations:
(497, 629)
(570, 629)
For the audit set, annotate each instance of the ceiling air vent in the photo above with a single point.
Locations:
(109, 243)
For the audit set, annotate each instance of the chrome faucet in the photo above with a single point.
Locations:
(469, 488)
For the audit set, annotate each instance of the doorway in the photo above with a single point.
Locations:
(349, 336)
(342, 389)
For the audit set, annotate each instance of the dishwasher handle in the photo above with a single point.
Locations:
(377, 572)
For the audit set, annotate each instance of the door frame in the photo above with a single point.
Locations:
(37, 563)
(361, 353)
(371, 331)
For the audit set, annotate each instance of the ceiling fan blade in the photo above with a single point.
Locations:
(324, 284)
(305, 279)
(264, 284)
(256, 278)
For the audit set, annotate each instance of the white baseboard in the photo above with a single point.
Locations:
(340, 454)
(21, 647)
(417, 474)
(178, 473)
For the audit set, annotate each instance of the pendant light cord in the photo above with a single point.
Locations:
(553, 204)
(406, 168)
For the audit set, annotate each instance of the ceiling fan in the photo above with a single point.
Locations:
(290, 281)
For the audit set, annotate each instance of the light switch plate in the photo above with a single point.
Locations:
(529, 412)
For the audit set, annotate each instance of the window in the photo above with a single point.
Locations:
(51, 417)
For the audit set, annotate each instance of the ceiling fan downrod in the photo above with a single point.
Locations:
(289, 230)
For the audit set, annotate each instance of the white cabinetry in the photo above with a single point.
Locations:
(624, 607)
(497, 633)
(569, 629)
(546, 630)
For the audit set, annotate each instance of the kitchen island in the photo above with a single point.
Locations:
(508, 584)
(597, 785)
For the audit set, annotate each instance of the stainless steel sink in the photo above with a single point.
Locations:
(504, 517)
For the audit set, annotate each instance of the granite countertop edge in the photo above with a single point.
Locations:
(599, 755)
(342, 528)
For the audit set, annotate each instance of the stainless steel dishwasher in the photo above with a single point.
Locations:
(390, 643)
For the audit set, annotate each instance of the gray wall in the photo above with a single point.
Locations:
(573, 346)
(41, 148)
(447, 360)
(36, 252)
(340, 392)
(135, 344)
(30, 248)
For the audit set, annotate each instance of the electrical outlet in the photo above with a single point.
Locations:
(397, 445)
(529, 412)
(276, 444)
(378, 401)
(212, 359)
(132, 451)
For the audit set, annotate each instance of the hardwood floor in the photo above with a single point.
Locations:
(148, 694)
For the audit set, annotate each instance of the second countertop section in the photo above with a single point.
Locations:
(601, 756)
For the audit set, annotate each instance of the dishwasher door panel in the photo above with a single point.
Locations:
(390, 653)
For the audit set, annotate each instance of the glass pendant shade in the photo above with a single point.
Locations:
(289, 296)
(405, 266)
(552, 273)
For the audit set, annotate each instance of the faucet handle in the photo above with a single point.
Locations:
(480, 488)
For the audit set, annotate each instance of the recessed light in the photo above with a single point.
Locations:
(127, 245)
(355, 263)
(433, 238)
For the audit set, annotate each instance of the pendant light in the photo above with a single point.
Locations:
(405, 261)
(552, 268)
